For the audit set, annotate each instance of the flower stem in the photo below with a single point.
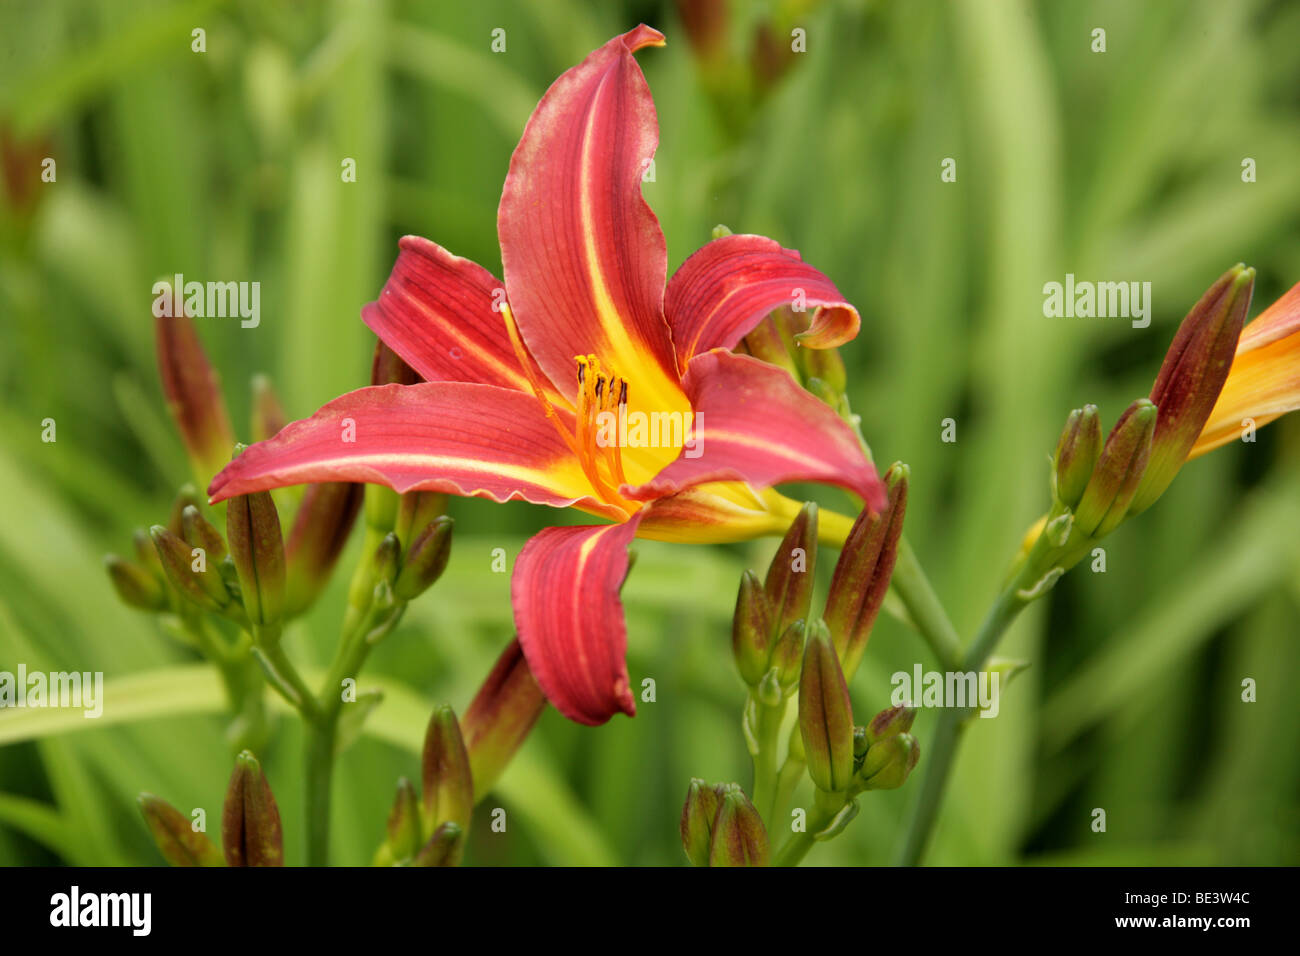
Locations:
(947, 735)
(319, 772)
(767, 736)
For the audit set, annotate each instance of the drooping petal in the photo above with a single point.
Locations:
(452, 437)
(583, 253)
(727, 286)
(442, 315)
(753, 423)
(570, 619)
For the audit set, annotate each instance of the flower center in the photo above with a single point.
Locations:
(602, 406)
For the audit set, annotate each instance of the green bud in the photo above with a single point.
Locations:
(863, 570)
(889, 762)
(404, 822)
(204, 587)
(175, 836)
(425, 561)
(890, 722)
(825, 714)
(134, 585)
(250, 821)
(199, 532)
(790, 576)
(720, 231)
(1076, 455)
(448, 785)
(416, 510)
(1191, 378)
(1114, 481)
(787, 656)
(698, 815)
(751, 626)
(739, 837)
(320, 529)
(444, 848)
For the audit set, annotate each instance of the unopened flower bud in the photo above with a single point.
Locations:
(790, 576)
(825, 714)
(199, 532)
(698, 815)
(1076, 455)
(501, 715)
(751, 626)
(425, 561)
(193, 391)
(404, 822)
(415, 512)
(787, 656)
(448, 787)
(134, 585)
(444, 848)
(174, 835)
(320, 529)
(739, 837)
(1114, 481)
(250, 821)
(889, 762)
(189, 571)
(889, 723)
(863, 570)
(1191, 378)
(257, 549)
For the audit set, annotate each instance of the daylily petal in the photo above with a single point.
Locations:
(726, 288)
(1278, 321)
(753, 423)
(442, 315)
(583, 254)
(570, 619)
(452, 437)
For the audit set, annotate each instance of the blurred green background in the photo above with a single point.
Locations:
(1122, 165)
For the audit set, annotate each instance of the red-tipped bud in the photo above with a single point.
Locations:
(192, 388)
(189, 571)
(739, 837)
(257, 549)
(790, 577)
(320, 529)
(863, 571)
(500, 717)
(447, 782)
(250, 821)
(825, 714)
(1191, 378)
(698, 815)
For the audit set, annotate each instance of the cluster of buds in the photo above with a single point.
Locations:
(844, 760)
(721, 827)
(1096, 484)
(429, 829)
(251, 834)
(782, 649)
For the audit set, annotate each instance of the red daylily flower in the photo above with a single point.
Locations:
(531, 381)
